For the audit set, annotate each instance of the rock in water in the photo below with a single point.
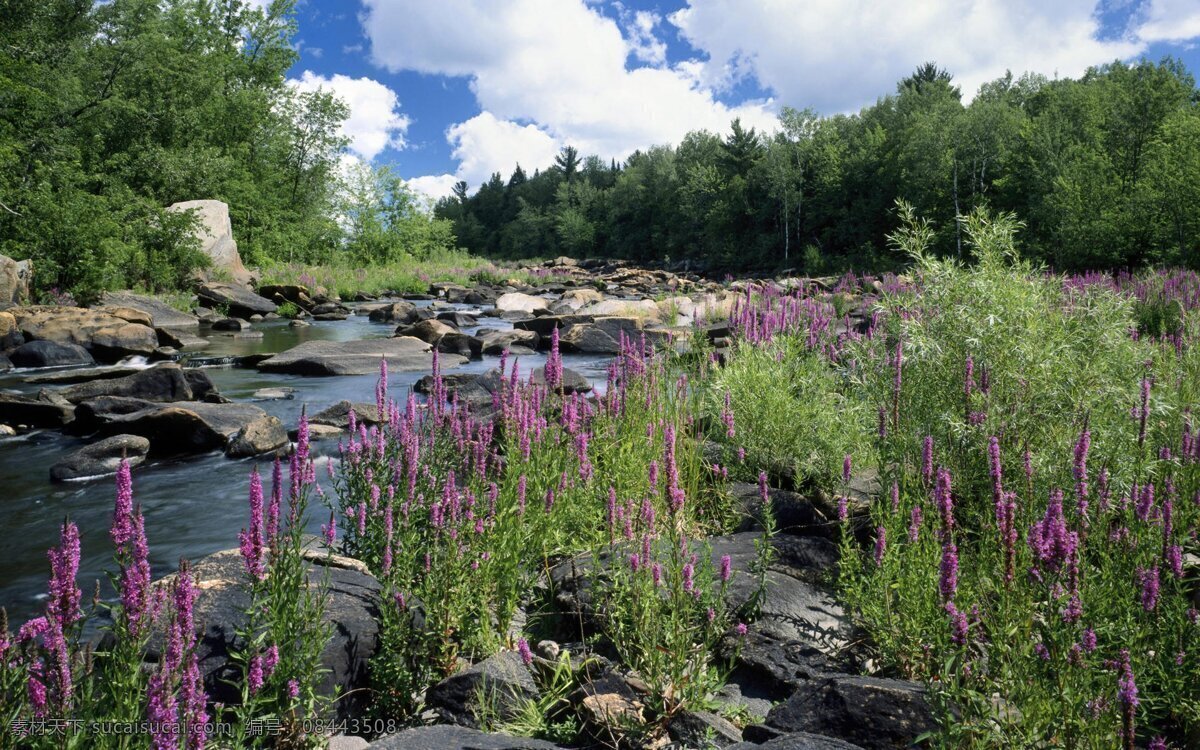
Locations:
(50, 354)
(517, 302)
(107, 337)
(161, 314)
(102, 458)
(457, 738)
(164, 383)
(357, 357)
(216, 237)
(240, 300)
(238, 429)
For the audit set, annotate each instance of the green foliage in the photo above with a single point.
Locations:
(1101, 169)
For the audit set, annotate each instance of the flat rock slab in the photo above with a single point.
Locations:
(240, 300)
(457, 738)
(238, 429)
(161, 314)
(164, 383)
(403, 353)
(105, 336)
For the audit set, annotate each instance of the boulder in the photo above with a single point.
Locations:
(50, 354)
(297, 294)
(445, 737)
(572, 381)
(350, 608)
(362, 357)
(518, 302)
(231, 324)
(794, 513)
(22, 410)
(161, 314)
(127, 314)
(106, 336)
(496, 342)
(460, 344)
(239, 300)
(797, 741)
(428, 331)
(394, 312)
(215, 233)
(600, 336)
(458, 319)
(472, 390)
(608, 706)
(499, 683)
(338, 415)
(10, 334)
(238, 429)
(102, 458)
(873, 713)
(543, 326)
(633, 308)
(702, 729)
(577, 298)
(162, 383)
(14, 281)
(182, 340)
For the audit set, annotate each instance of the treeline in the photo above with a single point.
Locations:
(109, 112)
(1104, 171)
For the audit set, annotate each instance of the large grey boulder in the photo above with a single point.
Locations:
(101, 458)
(357, 357)
(215, 233)
(14, 281)
(164, 383)
(601, 335)
(161, 314)
(350, 612)
(106, 336)
(34, 412)
(523, 303)
(445, 737)
(237, 429)
(50, 354)
(502, 682)
(239, 300)
(873, 713)
(515, 340)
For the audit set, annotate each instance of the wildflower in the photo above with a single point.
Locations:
(762, 488)
(880, 545)
(740, 629)
(846, 469)
(1088, 641)
(329, 530)
(948, 584)
(252, 539)
(1127, 696)
(293, 689)
(958, 625)
(944, 500)
(1042, 652)
(1150, 587)
(726, 568)
(927, 459)
(121, 531)
(914, 526)
(525, 653)
(688, 584)
(1080, 471)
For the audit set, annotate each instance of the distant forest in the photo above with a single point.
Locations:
(1104, 171)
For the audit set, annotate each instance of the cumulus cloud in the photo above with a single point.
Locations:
(547, 73)
(375, 120)
(1170, 21)
(433, 186)
(838, 55)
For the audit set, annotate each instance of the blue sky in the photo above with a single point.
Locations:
(456, 89)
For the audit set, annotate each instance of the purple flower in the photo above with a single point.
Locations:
(927, 459)
(293, 689)
(1150, 588)
(122, 530)
(843, 508)
(880, 545)
(846, 469)
(726, 568)
(740, 629)
(1127, 695)
(944, 500)
(959, 628)
(1042, 652)
(688, 584)
(914, 526)
(1088, 641)
(523, 650)
(252, 539)
(329, 530)
(948, 583)
(1080, 471)
(763, 494)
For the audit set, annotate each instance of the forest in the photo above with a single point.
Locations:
(1101, 170)
(109, 112)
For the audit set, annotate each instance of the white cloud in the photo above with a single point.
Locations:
(639, 30)
(433, 186)
(838, 55)
(375, 121)
(545, 73)
(1170, 21)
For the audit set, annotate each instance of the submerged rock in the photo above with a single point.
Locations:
(357, 357)
(102, 458)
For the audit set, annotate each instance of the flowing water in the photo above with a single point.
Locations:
(193, 506)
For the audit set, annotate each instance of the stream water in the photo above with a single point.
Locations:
(193, 506)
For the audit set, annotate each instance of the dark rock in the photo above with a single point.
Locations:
(50, 354)
(105, 336)
(357, 357)
(876, 714)
(238, 429)
(5, 363)
(572, 381)
(161, 383)
(429, 331)
(296, 294)
(239, 300)
(91, 415)
(600, 336)
(495, 342)
(102, 458)
(202, 387)
(350, 609)
(460, 344)
(502, 679)
(457, 319)
(472, 390)
(396, 312)
(181, 339)
(795, 741)
(794, 513)
(231, 324)
(544, 325)
(457, 738)
(702, 729)
(338, 415)
(22, 410)
(607, 704)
